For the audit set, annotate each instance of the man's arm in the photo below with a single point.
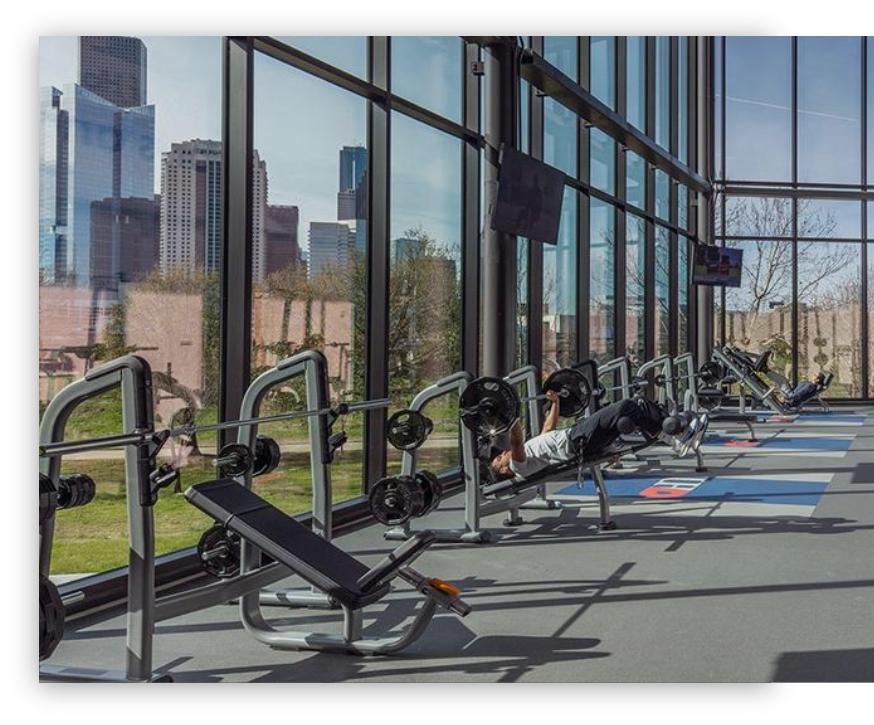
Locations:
(517, 443)
(551, 419)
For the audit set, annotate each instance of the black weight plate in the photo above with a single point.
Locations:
(51, 617)
(237, 459)
(75, 489)
(710, 373)
(48, 498)
(489, 406)
(406, 430)
(267, 456)
(395, 500)
(225, 564)
(574, 391)
(432, 490)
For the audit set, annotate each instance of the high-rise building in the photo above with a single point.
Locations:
(280, 238)
(191, 207)
(259, 213)
(53, 151)
(330, 244)
(353, 164)
(90, 150)
(353, 167)
(124, 239)
(114, 68)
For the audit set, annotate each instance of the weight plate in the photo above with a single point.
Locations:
(48, 498)
(267, 456)
(234, 459)
(710, 373)
(574, 391)
(219, 552)
(75, 489)
(406, 430)
(489, 406)
(51, 617)
(395, 500)
(431, 489)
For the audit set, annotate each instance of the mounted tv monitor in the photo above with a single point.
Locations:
(717, 266)
(529, 197)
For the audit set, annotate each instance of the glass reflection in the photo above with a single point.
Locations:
(602, 276)
(427, 70)
(560, 291)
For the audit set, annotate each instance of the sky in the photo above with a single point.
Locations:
(301, 123)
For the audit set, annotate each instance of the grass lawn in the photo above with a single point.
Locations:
(93, 538)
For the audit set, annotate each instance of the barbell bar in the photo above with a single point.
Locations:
(145, 436)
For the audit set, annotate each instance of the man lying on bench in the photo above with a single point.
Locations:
(805, 391)
(589, 436)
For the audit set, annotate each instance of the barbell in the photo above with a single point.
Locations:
(137, 438)
(489, 406)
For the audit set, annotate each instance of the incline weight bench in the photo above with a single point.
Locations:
(325, 567)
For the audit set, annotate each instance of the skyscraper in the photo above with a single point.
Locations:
(330, 244)
(53, 149)
(114, 68)
(90, 150)
(124, 239)
(280, 238)
(191, 207)
(353, 164)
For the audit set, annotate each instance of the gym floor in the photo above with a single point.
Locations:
(766, 577)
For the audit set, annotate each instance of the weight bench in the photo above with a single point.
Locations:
(324, 566)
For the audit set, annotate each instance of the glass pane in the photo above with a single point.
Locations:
(424, 335)
(635, 289)
(635, 179)
(427, 70)
(752, 216)
(683, 100)
(833, 218)
(602, 284)
(635, 110)
(663, 92)
(522, 326)
(346, 52)
(560, 291)
(870, 310)
(119, 239)
(830, 314)
(662, 195)
(309, 199)
(759, 108)
(663, 291)
(560, 137)
(870, 114)
(603, 161)
(682, 206)
(829, 110)
(524, 115)
(717, 108)
(602, 72)
(682, 294)
(759, 312)
(562, 52)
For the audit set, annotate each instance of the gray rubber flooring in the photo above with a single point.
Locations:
(685, 590)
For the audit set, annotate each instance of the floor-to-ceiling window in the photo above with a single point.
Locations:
(793, 169)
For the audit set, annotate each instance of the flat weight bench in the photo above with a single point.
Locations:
(324, 566)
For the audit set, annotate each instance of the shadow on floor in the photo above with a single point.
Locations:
(840, 665)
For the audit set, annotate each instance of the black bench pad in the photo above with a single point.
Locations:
(289, 542)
